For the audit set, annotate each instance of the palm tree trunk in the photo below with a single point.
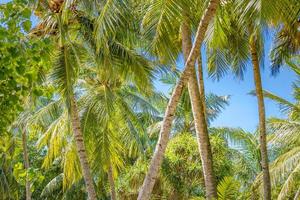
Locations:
(201, 83)
(112, 183)
(199, 119)
(262, 120)
(149, 181)
(26, 164)
(82, 152)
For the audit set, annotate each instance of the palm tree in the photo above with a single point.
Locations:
(65, 71)
(103, 28)
(20, 125)
(112, 138)
(247, 41)
(284, 137)
(149, 181)
(26, 163)
(286, 166)
(110, 61)
(63, 75)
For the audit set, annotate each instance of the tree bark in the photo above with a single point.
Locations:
(82, 152)
(26, 164)
(199, 119)
(149, 181)
(112, 183)
(201, 84)
(262, 120)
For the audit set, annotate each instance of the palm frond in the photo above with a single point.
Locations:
(161, 24)
(52, 186)
(215, 104)
(71, 165)
(291, 181)
(65, 70)
(112, 16)
(285, 105)
(285, 131)
(228, 188)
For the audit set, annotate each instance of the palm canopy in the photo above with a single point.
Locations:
(236, 22)
(98, 121)
(161, 25)
(97, 71)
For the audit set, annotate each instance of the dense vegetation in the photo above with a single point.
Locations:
(81, 117)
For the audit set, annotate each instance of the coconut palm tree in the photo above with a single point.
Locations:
(199, 116)
(285, 168)
(104, 29)
(65, 71)
(114, 139)
(172, 9)
(283, 137)
(247, 45)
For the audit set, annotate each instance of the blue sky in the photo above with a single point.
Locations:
(242, 111)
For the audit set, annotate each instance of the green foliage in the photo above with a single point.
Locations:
(181, 174)
(22, 59)
(182, 166)
(107, 56)
(228, 189)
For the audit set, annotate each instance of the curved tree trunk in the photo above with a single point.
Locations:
(26, 164)
(112, 183)
(262, 120)
(82, 152)
(149, 181)
(199, 119)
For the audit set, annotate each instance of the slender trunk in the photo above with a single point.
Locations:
(149, 181)
(82, 152)
(112, 183)
(262, 120)
(26, 164)
(201, 83)
(199, 119)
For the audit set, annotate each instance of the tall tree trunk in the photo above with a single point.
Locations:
(26, 164)
(262, 119)
(82, 152)
(199, 119)
(112, 183)
(149, 181)
(201, 83)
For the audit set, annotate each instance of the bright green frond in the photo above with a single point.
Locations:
(228, 189)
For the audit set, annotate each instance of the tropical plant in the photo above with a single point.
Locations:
(285, 169)
(22, 60)
(148, 184)
(84, 116)
(248, 17)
